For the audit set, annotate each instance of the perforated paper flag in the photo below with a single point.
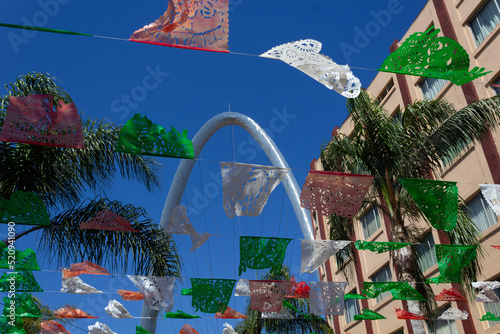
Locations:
(451, 260)
(107, 220)
(211, 295)
(402, 314)
(299, 289)
(191, 24)
(228, 329)
(180, 315)
(486, 293)
(52, 327)
(437, 199)
(24, 208)
(262, 253)
(316, 252)
(427, 55)
(369, 315)
(75, 285)
(496, 247)
(332, 192)
(326, 299)
(24, 260)
(490, 317)
(100, 328)
(283, 314)
(188, 329)
(450, 295)
(130, 295)
(454, 314)
(246, 188)
(354, 296)
(158, 291)
(117, 310)
(22, 281)
(86, 267)
(399, 290)
(304, 55)
(179, 224)
(33, 120)
(140, 330)
(141, 136)
(24, 306)
(267, 296)
(491, 193)
(242, 288)
(379, 246)
(71, 312)
(230, 313)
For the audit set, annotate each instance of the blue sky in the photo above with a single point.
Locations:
(188, 88)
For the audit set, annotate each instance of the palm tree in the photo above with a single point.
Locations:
(303, 322)
(410, 148)
(61, 177)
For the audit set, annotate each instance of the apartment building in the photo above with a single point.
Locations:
(475, 25)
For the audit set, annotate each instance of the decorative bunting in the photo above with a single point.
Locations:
(326, 299)
(299, 290)
(487, 295)
(24, 208)
(332, 192)
(25, 260)
(24, 306)
(188, 329)
(86, 267)
(230, 314)
(402, 314)
(491, 193)
(426, 55)
(399, 290)
(100, 328)
(450, 295)
(179, 224)
(75, 285)
(130, 295)
(70, 312)
(202, 25)
(228, 329)
(290, 306)
(454, 314)
(262, 253)
(7, 328)
(496, 247)
(316, 252)
(451, 259)
(267, 296)
(369, 315)
(33, 120)
(211, 295)
(242, 288)
(140, 330)
(158, 291)
(180, 315)
(490, 317)
(22, 281)
(117, 310)
(379, 246)
(438, 200)
(283, 314)
(354, 296)
(141, 136)
(304, 55)
(246, 188)
(107, 220)
(52, 327)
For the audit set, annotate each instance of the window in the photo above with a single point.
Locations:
(496, 86)
(493, 307)
(401, 331)
(481, 213)
(431, 86)
(397, 117)
(428, 254)
(485, 20)
(385, 91)
(370, 222)
(452, 154)
(383, 275)
(351, 309)
(442, 326)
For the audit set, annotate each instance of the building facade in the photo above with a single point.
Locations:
(475, 25)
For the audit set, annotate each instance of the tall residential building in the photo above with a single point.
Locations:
(474, 24)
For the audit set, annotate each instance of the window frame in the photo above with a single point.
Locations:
(365, 225)
(389, 278)
(348, 317)
(481, 39)
(491, 217)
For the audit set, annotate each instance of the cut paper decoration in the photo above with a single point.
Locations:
(354, 296)
(158, 291)
(130, 295)
(33, 120)
(334, 193)
(107, 220)
(242, 288)
(24, 208)
(228, 329)
(399, 290)
(75, 285)
(6, 326)
(427, 55)
(86, 267)
(24, 306)
(188, 329)
(496, 247)
(490, 317)
(379, 246)
(316, 252)
(211, 295)
(290, 306)
(491, 193)
(190, 24)
(402, 314)
(230, 314)
(454, 314)
(246, 188)
(22, 281)
(487, 295)
(179, 224)
(141, 136)
(368, 314)
(180, 315)
(267, 296)
(326, 299)
(140, 330)
(52, 327)
(450, 295)
(198, 239)
(438, 200)
(451, 260)
(283, 314)
(24, 260)
(299, 290)
(100, 328)
(70, 312)
(262, 253)
(304, 55)
(117, 310)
